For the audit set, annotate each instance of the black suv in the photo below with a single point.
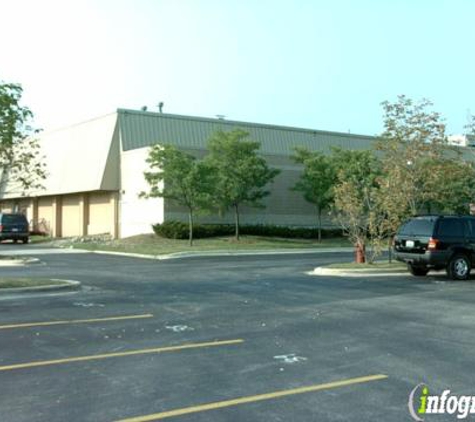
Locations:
(437, 242)
(14, 227)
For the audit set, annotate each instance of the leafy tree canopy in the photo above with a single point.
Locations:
(177, 175)
(356, 194)
(412, 143)
(240, 174)
(316, 181)
(20, 163)
(14, 118)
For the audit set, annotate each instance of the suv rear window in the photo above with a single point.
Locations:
(13, 219)
(418, 226)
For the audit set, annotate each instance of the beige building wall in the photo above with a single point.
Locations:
(45, 215)
(71, 219)
(89, 213)
(62, 206)
(76, 158)
(79, 214)
(101, 213)
(75, 215)
(137, 214)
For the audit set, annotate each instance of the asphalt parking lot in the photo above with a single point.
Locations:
(228, 339)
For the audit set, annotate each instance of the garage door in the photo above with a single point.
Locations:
(100, 213)
(45, 214)
(71, 216)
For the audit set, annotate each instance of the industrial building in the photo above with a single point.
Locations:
(95, 173)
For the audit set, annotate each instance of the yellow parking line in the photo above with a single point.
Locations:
(73, 321)
(119, 354)
(251, 399)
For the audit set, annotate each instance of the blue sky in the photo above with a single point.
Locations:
(316, 64)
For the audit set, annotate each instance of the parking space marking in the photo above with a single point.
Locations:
(120, 354)
(252, 399)
(73, 321)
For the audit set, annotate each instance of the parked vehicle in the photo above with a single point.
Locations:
(437, 242)
(14, 227)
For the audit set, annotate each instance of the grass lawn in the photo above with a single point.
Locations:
(39, 239)
(6, 283)
(11, 258)
(152, 244)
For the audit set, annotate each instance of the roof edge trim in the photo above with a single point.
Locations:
(237, 123)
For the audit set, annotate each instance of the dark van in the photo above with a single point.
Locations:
(437, 242)
(14, 227)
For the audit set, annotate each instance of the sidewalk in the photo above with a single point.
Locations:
(357, 272)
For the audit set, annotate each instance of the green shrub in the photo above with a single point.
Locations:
(288, 232)
(179, 230)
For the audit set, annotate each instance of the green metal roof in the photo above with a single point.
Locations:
(140, 129)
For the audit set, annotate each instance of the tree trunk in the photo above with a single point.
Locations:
(319, 214)
(236, 219)
(360, 253)
(390, 256)
(190, 226)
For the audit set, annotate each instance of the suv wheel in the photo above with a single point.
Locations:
(459, 267)
(417, 271)
(25, 240)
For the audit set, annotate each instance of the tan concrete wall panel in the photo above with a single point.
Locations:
(100, 213)
(45, 214)
(71, 224)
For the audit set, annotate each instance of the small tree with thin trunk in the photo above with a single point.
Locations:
(356, 205)
(316, 181)
(240, 174)
(178, 176)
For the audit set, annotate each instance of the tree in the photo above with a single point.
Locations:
(456, 187)
(470, 126)
(356, 204)
(20, 162)
(412, 144)
(178, 176)
(421, 172)
(240, 174)
(316, 181)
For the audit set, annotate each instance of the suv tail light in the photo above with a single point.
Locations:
(433, 243)
(1, 228)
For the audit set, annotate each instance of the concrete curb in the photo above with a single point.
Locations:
(71, 285)
(17, 262)
(178, 255)
(45, 251)
(355, 273)
(128, 255)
